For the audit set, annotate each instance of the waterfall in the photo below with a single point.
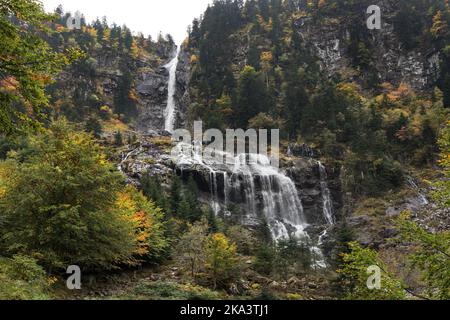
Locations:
(263, 191)
(169, 114)
(280, 203)
(326, 196)
(412, 183)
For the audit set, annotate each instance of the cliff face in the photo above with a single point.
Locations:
(331, 40)
(152, 89)
(132, 84)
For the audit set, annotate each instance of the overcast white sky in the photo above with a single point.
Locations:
(146, 16)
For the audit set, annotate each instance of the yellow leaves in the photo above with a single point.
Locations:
(267, 26)
(417, 125)
(403, 91)
(219, 244)
(440, 26)
(41, 77)
(113, 125)
(106, 34)
(60, 28)
(6, 170)
(135, 50)
(126, 203)
(142, 213)
(299, 14)
(194, 59)
(350, 90)
(92, 32)
(266, 57)
(132, 95)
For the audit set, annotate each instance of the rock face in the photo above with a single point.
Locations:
(182, 94)
(153, 94)
(305, 173)
(392, 62)
(98, 81)
(294, 194)
(152, 90)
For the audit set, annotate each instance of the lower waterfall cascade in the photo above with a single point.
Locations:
(264, 191)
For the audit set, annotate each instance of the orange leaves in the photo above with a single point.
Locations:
(132, 95)
(142, 232)
(322, 3)
(194, 59)
(134, 207)
(9, 84)
(403, 91)
(41, 77)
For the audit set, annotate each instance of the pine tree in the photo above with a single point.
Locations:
(175, 195)
(94, 126)
(118, 139)
(252, 97)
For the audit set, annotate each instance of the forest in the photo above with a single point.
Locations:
(86, 179)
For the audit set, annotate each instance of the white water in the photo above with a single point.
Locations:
(169, 114)
(423, 199)
(326, 196)
(264, 191)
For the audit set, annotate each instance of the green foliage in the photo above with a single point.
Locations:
(22, 279)
(293, 256)
(94, 126)
(183, 200)
(265, 260)
(160, 290)
(355, 275)
(284, 259)
(27, 64)
(190, 248)
(123, 103)
(442, 194)
(431, 256)
(151, 186)
(252, 98)
(58, 203)
(221, 259)
(243, 238)
(149, 228)
(175, 195)
(118, 139)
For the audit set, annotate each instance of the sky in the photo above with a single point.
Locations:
(146, 16)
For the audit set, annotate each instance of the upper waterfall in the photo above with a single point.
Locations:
(169, 114)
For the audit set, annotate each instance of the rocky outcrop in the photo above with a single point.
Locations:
(182, 94)
(152, 90)
(306, 175)
(390, 60)
(149, 157)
